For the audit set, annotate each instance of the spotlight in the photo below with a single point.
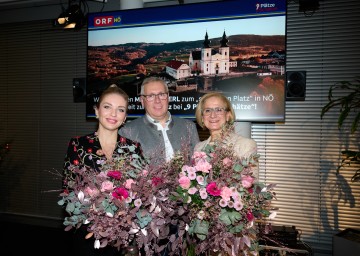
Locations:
(73, 17)
(308, 5)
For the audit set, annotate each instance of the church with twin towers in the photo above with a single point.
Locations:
(211, 61)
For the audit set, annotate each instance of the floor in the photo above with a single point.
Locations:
(22, 239)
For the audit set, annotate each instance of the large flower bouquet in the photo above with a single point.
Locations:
(126, 203)
(223, 200)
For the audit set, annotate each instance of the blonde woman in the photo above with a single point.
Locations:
(212, 113)
(93, 150)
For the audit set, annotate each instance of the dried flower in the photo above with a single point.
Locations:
(223, 200)
(127, 201)
(206, 205)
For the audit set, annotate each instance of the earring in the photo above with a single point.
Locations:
(97, 117)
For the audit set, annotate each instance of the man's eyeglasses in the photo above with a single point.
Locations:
(151, 97)
(216, 111)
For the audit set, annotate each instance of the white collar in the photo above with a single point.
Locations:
(152, 120)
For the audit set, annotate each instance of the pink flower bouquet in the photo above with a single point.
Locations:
(223, 201)
(126, 202)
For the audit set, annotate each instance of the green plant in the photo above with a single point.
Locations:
(348, 104)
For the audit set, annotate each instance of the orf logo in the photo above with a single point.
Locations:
(103, 21)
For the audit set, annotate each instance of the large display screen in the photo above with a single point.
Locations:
(234, 47)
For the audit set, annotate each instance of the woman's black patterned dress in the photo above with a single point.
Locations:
(85, 151)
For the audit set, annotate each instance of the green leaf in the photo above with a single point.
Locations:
(345, 97)
(267, 195)
(201, 237)
(238, 167)
(349, 102)
(229, 217)
(143, 221)
(105, 204)
(196, 199)
(236, 229)
(61, 202)
(200, 228)
(110, 210)
(70, 208)
(77, 211)
(74, 220)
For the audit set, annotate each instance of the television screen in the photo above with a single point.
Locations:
(233, 47)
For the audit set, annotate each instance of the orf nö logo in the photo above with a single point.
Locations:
(106, 21)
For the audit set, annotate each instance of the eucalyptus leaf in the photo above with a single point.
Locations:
(229, 217)
(238, 168)
(200, 228)
(61, 202)
(143, 221)
(236, 229)
(70, 207)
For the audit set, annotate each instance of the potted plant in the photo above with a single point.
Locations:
(348, 103)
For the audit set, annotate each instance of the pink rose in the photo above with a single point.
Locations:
(212, 189)
(184, 182)
(128, 183)
(107, 186)
(182, 174)
(250, 216)
(203, 193)
(192, 190)
(199, 155)
(226, 193)
(187, 168)
(200, 179)
(238, 205)
(192, 175)
(203, 166)
(236, 196)
(227, 162)
(120, 193)
(91, 192)
(114, 174)
(247, 181)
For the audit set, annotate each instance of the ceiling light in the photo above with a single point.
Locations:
(73, 17)
(308, 6)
